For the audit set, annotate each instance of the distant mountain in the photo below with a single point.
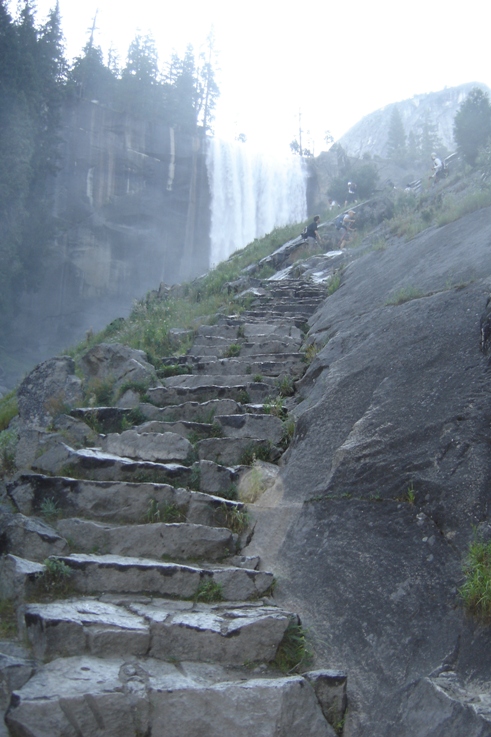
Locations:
(370, 134)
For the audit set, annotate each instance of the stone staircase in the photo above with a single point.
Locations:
(142, 615)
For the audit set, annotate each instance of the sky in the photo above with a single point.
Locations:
(330, 63)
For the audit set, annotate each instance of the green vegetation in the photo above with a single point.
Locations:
(293, 652)
(476, 591)
(49, 509)
(285, 386)
(209, 591)
(8, 619)
(405, 294)
(334, 284)
(160, 512)
(55, 579)
(8, 409)
(237, 520)
(256, 452)
(8, 444)
(472, 125)
(232, 351)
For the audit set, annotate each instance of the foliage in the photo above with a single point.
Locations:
(285, 386)
(334, 284)
(472, 125)
(167, 513)
(365, 175)
(8, 409)
(8, 443)
(55, 579)
(404, 294)
(209, 591)
(49, 509)
(8, 619)
(293, 652)
(476, 590)
(396, 141)
(236, 519)
(232, 351)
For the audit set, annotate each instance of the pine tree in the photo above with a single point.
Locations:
(472, 125)
(396, 140)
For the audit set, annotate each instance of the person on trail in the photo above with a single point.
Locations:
(312, 231)
(346, 227)
(437, 168)
(351, 196)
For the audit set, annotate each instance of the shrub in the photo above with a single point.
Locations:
(476, 591)
(8, 409)
(8, 443)
(209, 591)
(293, 653)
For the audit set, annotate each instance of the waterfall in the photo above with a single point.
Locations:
(251, 194)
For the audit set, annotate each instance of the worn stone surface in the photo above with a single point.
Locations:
(160, 447)
(261, 427)
(130, 697)
(216, 479)
(117, 363)
(124, 574)
(191, 411)
(18, 576)
(28, 537)
(110, 501)
(234, 451)
(388, 472)
(49, 387)
(157, 540)
(15, 671)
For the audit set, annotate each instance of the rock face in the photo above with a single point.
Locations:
(386, 478)
(371, 133)
(133, 209)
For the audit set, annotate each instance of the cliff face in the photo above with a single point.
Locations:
(132, 204)
(370, 134)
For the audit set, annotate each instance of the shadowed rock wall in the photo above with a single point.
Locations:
(132, 204)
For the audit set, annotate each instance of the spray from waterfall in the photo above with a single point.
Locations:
(251, 194)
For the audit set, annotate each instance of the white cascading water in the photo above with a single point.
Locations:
(251, 194)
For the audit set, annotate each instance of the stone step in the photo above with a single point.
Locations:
(184, 428)
(118, 697)
(273, 345)
(191, 411)
(105, 419)
(260, 314)
(158, 628)
(191, 381)
(258, 427)
(158, 446)
(158, 540)
(96, 464)
(243, 330)
(131, 575)
(251, 391)
(117, 501)
(266, 364)
(29, 537)
(237, 451)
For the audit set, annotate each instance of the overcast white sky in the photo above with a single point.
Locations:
(335, 61)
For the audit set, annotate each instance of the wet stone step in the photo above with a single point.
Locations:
(192, 411)
(96, 464)
(237, 451)
(194, 380)
(158, 540)
(86, 696)
(113, 501)
(159, 447)
(159, 628)
(121, 574)
(247, 392)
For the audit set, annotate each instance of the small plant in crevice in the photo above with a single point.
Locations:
(232, 351)
(255, 452)
(99, 392)
(49, 509)
(310, 353)
(161, 512)
(275, 406)
(476, 590)
(237, 520)
(8, 409)
(285, 386)
(405, 294)
(334, 284)
(257, 378)
(55, 579)
(8, 444)
(8, 619)
(293, 653)
(209, 591)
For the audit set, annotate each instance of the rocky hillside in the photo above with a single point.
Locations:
(345, 402)
(370, 134)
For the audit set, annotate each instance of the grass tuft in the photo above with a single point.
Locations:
(476, 591)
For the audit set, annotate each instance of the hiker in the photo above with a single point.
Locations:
(344, 224)
(312, 231)
(438, 168)
(351, 197)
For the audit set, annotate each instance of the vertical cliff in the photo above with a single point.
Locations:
(132, 208)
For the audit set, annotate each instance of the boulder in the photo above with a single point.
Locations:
(117, 363)
(47, 391)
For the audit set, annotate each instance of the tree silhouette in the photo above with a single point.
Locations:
(472, 125)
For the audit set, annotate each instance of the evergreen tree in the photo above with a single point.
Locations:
(208, 90)
(396, 141)
(140, 90)
(472, 125)
(89, 78)
(429, 140)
